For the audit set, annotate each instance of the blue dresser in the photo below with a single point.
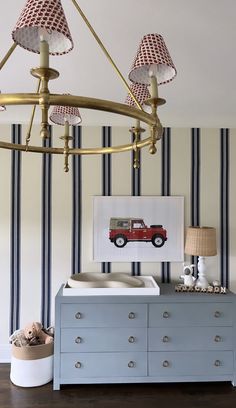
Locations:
(129, 339)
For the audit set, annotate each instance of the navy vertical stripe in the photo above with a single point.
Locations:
(46, 233)
(106, 177)
(224, 206)
(15, 231)
(76, 202)
(195, 177)
(166, 188)
(195, 183)
(136, 191)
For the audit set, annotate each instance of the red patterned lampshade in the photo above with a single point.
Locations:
(43, 18)
(152, 55)
(60, 114)
(141, 93)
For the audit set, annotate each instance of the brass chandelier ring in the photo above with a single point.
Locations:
(86, 103)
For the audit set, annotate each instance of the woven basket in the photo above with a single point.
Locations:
(31, 366)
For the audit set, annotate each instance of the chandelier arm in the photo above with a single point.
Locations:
(8, 54)
(20, 99)
(79, 151)
(66, 154)
(106, 53)
(137, 133)
(82, 102)
(28, 134)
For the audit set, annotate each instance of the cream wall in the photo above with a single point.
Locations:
(121, 181)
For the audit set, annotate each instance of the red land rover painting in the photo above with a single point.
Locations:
(123, 230)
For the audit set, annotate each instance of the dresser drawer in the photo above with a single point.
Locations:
(190, 363)
(103, 315)
(190, 338)
(103, 339)
(80, 365)
(185, 314)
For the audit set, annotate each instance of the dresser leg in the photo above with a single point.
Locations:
(56, 385)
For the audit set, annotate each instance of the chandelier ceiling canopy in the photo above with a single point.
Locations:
(42, 28)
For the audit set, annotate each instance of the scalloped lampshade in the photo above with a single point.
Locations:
(47, 18)
(152, 54)
(60, 114)
(141, 93)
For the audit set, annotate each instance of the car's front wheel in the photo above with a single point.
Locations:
(158, 240)
(120, 241)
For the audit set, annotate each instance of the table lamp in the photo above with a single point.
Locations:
(201, 242)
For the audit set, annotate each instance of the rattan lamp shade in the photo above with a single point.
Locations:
(201, 241)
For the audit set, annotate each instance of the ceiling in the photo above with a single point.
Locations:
(200, 36)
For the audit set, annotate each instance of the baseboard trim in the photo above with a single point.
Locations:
(5, 353)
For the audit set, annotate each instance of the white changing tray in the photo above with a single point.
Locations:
(150, 288)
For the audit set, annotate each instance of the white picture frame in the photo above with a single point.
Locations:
(167, 212)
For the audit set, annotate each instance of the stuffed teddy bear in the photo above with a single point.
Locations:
(35, 334)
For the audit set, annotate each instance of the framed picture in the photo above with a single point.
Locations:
(147, 229)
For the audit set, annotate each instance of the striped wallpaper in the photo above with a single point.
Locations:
(195, 184)
(106, 177)
(76, 204)
(224, 206)
(135, 191)
(166, 188)
(15, 244)
(46, 214)
(46, 267)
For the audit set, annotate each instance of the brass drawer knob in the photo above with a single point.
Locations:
(165, 339)
(78, 340)
(166, 315)
(78, 364)
(217, 339)
(78, 315)
(166, 363)
(131, 315)
(217, 363)
(131, 364)
(217, 313)
(131, 339)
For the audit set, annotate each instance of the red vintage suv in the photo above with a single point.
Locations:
(123, 230)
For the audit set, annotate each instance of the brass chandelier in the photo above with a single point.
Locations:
(42, 28)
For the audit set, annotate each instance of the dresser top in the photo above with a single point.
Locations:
(167, 294)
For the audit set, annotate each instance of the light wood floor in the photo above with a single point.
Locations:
(191, 395)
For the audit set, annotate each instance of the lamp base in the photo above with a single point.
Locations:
(202, 281)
